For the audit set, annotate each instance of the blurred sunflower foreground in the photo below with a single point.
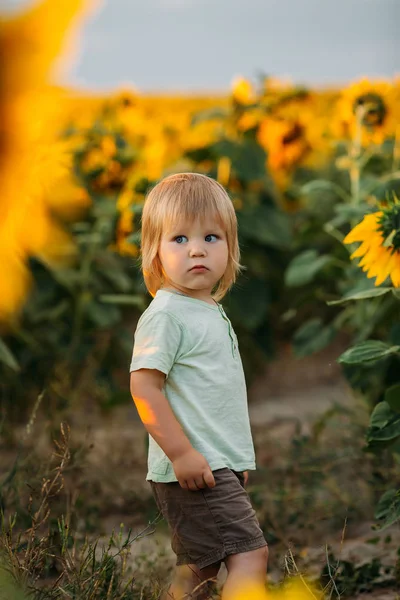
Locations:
(296, 589)
(379, 234)
(34, 164)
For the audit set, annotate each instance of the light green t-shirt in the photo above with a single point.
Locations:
(194, 344)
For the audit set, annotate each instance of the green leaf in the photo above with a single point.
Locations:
(390, 432)
(312, 336)
(7, 357)
(381, 415)
(304, 268)
(384, 426)
(392, 397)
(324, 185)
(250, 163)
(372, 293)
(200, 154)
(388, 508)
(369, 352)
(266, 225)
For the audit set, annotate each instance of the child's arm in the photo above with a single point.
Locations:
(191, 468)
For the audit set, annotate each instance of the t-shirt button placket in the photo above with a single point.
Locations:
(233, 346)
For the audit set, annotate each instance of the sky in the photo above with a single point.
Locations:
(202, 45)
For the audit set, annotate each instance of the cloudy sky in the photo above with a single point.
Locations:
(194, 45)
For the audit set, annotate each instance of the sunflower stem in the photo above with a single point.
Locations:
(335, 233)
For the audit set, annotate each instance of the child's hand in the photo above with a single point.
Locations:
(193, 471)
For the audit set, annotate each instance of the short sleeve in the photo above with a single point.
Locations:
(158, 339)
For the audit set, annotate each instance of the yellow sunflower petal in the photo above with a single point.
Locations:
(362, 249)
(372, 256)
(393, 263)
(359, 232)
(382, 276)
(379, 266)
(368, 273)
(395, 274)
(382, 268)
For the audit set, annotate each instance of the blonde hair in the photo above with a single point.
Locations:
(187, 196)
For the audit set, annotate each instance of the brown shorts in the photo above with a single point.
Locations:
(209, 524)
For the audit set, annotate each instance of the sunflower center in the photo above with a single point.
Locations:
(294, 133)
(374, 112)
(389, 226)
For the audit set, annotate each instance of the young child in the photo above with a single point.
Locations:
(188, 385)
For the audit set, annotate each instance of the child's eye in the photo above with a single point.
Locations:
(211, 235)
(178, 238)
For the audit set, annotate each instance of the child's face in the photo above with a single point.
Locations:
(184, 246)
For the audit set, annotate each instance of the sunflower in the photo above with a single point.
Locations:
(379, 233)
(242, 91)
(284, 140)
(372, 105)
(30, 110)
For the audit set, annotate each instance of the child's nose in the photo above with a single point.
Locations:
(197, 250)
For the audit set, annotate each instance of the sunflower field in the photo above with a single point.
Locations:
(314, 175)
